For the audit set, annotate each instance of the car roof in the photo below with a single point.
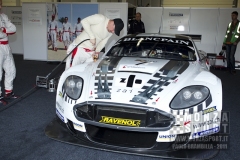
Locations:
(160, 35)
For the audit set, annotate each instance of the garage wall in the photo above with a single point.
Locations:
(210, 23)
(143, 3)
(198, 3)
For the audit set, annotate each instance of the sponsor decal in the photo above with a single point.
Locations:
(59, 115)
(120, 121)
(169, 40)
(209, 122)
(16, 12)
(60, 107)
(167, 136)
(60, 94)
(175, 14)
(173, 27)
(77, 126)
(206, 132)
(138, 67)
(34, 20)
(209, 110)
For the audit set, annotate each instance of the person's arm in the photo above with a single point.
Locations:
(9, 28)
(224, 41)
(102, 44)
(92, 20)
(238, 39)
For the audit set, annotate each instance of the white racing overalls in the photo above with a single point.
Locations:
(53, 33)
(6, 57)
(78, 28)
(66, 34)
(79, 55)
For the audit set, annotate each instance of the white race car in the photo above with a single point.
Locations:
(150, 94)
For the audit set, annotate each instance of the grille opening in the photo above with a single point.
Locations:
(130, 139)
(147, 117)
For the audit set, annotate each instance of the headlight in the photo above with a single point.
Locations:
(73, 87)
(189, 96)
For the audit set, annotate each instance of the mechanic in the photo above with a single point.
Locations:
(6, 58)
(78, 27)
(52, 29)
(136, 26)
(98, 29)
(66, 32)
(231, 40)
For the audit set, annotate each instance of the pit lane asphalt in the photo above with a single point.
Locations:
(22, 124)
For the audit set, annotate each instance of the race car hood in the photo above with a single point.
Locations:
(133, 80)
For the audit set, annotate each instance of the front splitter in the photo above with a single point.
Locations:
(58, 131)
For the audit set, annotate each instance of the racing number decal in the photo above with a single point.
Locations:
(124, 90)
(130, 81)
(123, 80)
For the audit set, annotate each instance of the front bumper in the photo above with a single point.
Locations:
(58, 130)
(122, 117)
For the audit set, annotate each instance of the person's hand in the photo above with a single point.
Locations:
(93, 41)
(235, 43)
(95, 56)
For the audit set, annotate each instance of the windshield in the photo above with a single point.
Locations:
(154, 47)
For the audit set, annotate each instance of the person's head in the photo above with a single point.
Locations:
(53, 17)
(138, 16)
(234, 15)
(79, 19)
(66, 19)
(115, 26)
